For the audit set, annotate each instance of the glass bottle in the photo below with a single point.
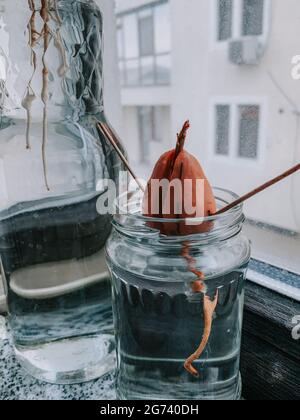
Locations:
(159, 317)
(53, 160)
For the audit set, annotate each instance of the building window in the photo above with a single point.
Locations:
(162, 33)
(150, 128)
(241, 122)
(130, 30)
(222, 129)
(147, 76)
(248, 131)
(146, 33)
(225, 9)
(132, 72)
(144, 45)
(253, 17)
(238, 18)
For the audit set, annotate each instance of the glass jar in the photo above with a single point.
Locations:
(159, 319)
(53, 160)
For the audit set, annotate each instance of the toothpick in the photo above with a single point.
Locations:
(108, 133)
(259, 189)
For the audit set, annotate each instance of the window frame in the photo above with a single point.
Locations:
(237, 23)
(233, 155)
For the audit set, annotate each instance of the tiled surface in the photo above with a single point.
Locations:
(15, 384)
(276, 273)
(276, 279)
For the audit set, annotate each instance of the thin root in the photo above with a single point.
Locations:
(209, 309)
(34, 37)
(197, 285)
(45, 95)
(30, 95)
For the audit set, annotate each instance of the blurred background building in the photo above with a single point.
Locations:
(226, 66)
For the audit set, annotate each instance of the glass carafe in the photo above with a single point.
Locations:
(53, 160)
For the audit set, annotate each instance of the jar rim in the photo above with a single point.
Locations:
(135, 202)
(134, 224)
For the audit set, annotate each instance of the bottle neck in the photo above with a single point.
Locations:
(82, 36)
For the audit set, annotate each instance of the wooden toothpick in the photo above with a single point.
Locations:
(109, 134)
(259, 189)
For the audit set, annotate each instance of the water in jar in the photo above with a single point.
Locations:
(160, 324)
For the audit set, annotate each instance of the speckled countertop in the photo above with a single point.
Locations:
(15, 384)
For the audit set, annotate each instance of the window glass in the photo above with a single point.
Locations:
(222, 129)
(146, 35)
(248, 131)
(120, 40)
(253, 17)
(122, 72)
(225, 10)
(151, 126)
(162, 29)
(130, 33)
(145, 115)
(158, 123)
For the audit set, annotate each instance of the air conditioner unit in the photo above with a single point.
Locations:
(246, 51)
